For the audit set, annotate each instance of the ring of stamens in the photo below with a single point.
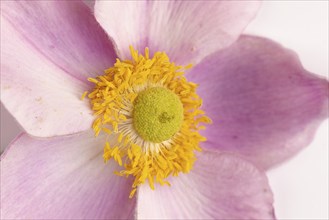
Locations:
(119, 92)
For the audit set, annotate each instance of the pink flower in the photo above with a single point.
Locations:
(264, 106)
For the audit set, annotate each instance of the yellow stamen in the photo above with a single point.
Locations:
(84, 95)
(154, 112)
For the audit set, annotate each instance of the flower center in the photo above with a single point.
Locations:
(151, 115)
(157, 114)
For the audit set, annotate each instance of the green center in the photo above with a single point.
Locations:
(158, 114)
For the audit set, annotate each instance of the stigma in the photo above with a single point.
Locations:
(157, 114)
(153, 112)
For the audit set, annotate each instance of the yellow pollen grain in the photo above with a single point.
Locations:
(158, 153)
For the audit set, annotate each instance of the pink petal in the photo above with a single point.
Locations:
(65, 32)
(220, 186)
(48, 49)
(263, 104)
(43, 99)
(62, 178)
(187, 30)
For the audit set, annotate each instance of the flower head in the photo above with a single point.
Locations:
(147, 114)
(154, 113)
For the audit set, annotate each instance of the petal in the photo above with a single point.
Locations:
(62, 178)
(42, 98)
(64, 32)
(221, 186)
(48, 49)
(187, 30)
(263, 104)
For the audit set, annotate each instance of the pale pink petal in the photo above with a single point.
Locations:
(187, 30)
(65, 32)
(220, 186)
(43, 99)
(48, 50)
(62, 178)
(263, 104)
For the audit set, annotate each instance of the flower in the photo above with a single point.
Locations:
(263, 104)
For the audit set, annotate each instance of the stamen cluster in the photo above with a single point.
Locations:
(113, 100)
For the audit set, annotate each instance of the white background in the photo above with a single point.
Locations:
(300, 185)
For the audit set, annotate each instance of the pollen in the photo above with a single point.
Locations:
(152, 113)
